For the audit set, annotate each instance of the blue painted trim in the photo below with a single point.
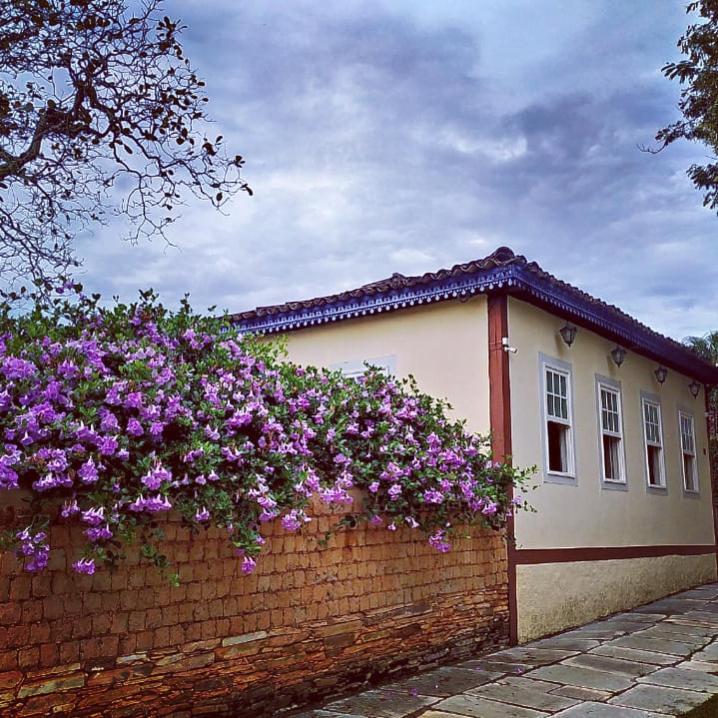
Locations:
(513, 278)
(439, 290)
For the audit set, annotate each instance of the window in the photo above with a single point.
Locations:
(688, 452)
(353, 369)
(609, 397)
(653, 435)
(559, 441)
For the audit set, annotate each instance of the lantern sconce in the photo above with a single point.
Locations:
(695, 388)
(661, 374)
(618, 355)
(568, 333)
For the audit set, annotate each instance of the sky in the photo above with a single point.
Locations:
(408, 135)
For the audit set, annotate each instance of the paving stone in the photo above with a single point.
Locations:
(659, 645)
(694, 665)
(470, 705)
(584, 677)
(705, 657)
(326, 714)
(634, 654)
(498, 666)
(710, 650)
(568, 644)
(705, 618)
(533, 683)
(642, 616)
(584, 694)
(682, 678)
(672, 701)
(687, 628)
(666, 631)
(671, 606)
(381, 704)
(438, 714)
(534, 656)
(601, 634)
(703, 594)
(524, 696)
(602, 710)
(443, 682)
(610, 665)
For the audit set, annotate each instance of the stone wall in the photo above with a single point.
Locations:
(310, 622)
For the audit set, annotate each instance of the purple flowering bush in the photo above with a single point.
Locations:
(110, 417)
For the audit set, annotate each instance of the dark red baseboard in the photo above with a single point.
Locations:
(526, 556)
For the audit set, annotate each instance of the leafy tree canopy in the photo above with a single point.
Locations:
(697, 72)
(100, 113)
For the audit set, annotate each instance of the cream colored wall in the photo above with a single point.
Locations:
(587, 514)
(592, 589)
(445, 347)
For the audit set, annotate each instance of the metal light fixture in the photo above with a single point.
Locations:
(695, 388)
(661, 374)
(568, 333)
(618, 355)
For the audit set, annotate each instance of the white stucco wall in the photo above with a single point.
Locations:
(445, 347)
(554, 596)
(587, 514)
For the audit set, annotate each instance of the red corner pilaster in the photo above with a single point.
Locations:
(500, 418)
(712, 433)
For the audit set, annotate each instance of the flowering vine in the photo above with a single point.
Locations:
(111, 416)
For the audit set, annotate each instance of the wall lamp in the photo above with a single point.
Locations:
(568, 333)
(618, 355)
(661, 374)
(695, 388)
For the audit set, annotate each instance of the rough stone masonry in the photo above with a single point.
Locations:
(312, 621)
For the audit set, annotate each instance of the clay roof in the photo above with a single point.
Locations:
(501, 271)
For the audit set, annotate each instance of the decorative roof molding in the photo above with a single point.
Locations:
(457, 288)
(502, 271)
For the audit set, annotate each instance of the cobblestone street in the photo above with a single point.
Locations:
(657, 660)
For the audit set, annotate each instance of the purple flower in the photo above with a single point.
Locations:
(438, 541)
(88, 472)
(433, 497)
(85, 565)
(152, 504)
(394, 491)
(98, 533)
(108, 445)
(248, 565)
(93, 516)
(373, 487)
(154, 478)
(202, 515)
(69, 508)
(134, 428)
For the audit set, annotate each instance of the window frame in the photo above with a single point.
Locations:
(561, 367)
(654, 400)
(685, 413)
(356, 367)
(611, 385)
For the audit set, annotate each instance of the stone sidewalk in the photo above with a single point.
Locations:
(658, 660)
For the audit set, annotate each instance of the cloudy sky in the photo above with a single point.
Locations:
(408, 135)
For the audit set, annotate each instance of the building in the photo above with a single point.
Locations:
(611, 413)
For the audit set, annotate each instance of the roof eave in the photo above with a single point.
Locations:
(512, 278)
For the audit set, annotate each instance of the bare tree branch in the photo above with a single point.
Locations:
(100, 114)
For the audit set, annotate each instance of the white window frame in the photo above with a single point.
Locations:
(652, 400)
(565, 369)
(683, 414)
(357, 367)
(614, 387)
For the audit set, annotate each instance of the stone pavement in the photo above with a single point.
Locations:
(658, 660)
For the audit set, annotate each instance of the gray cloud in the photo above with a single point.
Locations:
(397, 137)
